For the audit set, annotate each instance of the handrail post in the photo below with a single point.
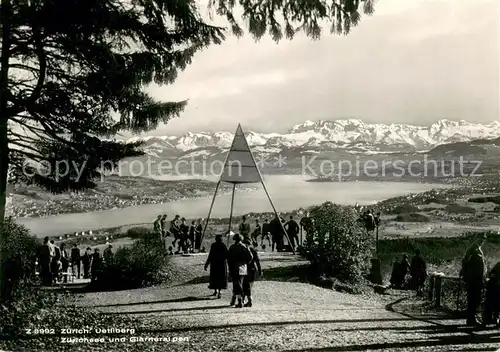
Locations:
(431, 287)
(438, 285)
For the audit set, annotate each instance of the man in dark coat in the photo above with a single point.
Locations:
(75, 260)
(239, 257)
(45, 258)
(86, 261)
(473, 270)
(292, 229)
(96, 265)
(217, 260)
(253, 273)
(276, 234)
(266, 233)
(418, 271)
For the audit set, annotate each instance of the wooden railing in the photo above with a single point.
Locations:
(446, 291)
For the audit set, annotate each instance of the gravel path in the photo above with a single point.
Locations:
(287, 316)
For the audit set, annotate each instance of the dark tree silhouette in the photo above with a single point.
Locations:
(73, 71)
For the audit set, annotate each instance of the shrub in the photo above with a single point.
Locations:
(141, 264)
(412, 217)
(18, 252)
(403, 209)
(138, 232)
(338, 246)
(459, 209)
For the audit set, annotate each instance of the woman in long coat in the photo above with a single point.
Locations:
(254, 273)
(217, 259)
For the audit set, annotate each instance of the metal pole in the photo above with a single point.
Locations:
(231, 212)
(209, 212)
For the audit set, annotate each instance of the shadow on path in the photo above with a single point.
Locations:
(175, 300)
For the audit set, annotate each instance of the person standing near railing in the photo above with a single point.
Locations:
(492, 301)
(473, 270)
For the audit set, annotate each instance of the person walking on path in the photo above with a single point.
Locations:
(418, 271)
(292, 229)
(472, 272)
(75, 261)
(45, 258)
(217, 260)
(253, 273)
(239, 256)
(266, 233)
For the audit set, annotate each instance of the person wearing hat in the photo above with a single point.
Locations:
(472, 272)
(217, 260)
(253, 273)
(239, 256)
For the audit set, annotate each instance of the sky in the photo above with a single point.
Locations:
(412, 61)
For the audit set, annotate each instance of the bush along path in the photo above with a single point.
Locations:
(288, 315)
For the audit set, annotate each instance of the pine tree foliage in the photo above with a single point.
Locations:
(73, 71)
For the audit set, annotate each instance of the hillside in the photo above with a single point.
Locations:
(111, 193)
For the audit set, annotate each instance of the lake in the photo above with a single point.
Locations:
(287, 193)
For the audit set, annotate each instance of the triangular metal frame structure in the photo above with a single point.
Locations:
(240, 167)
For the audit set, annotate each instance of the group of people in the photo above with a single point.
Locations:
(54, 262)
(242, 263)
(186, 237)
(273, 232)
(478, 281)
(369, 219)
(409, 275)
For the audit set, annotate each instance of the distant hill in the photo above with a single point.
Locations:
(474, 148)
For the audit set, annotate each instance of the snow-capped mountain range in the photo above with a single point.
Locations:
(347, 134)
